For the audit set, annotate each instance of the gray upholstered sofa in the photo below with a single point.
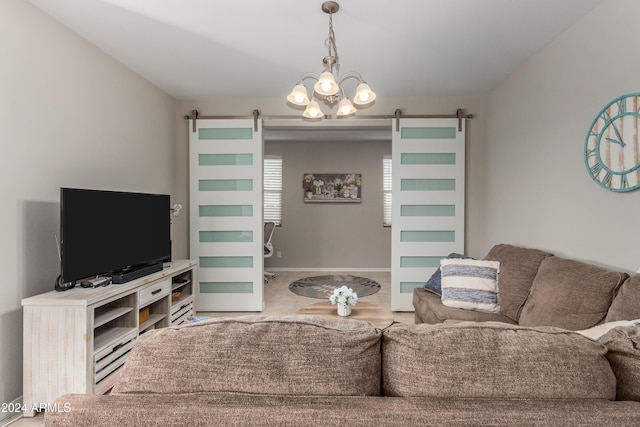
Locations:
(537, 288)
(314, 371)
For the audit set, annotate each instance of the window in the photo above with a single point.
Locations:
(386, 191)
(273, 189)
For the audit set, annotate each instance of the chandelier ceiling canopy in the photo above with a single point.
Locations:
(329, 86)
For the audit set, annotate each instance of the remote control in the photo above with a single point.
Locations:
(94, 283)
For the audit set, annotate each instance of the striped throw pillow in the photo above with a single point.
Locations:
(434, 284)
(470, 284)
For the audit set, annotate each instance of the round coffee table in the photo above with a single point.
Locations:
(375, 314)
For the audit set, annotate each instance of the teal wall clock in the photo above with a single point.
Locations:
(612, 146)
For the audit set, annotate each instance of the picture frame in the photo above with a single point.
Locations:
(332, 187)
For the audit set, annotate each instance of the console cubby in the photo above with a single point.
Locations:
(113, 319)
(76, 341)
(111, 357)
(114, 329)
(158, 315)
(181, 298)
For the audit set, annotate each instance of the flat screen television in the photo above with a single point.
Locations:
(112, 232)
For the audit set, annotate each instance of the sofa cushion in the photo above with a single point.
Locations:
(470, 284)
(307, 355)
(624, 356)
(570, 294)
(626, 304)
(493, 361)
(429, 309)
(434, 284)
(518, 268)
(234, 409)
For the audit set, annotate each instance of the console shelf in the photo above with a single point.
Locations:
(110, 337)
(178, 285)
(153, 320)
(76, 341)
(106, 316)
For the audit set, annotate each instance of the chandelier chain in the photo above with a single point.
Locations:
(333, 48)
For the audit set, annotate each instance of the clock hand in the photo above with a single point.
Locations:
(620, 143)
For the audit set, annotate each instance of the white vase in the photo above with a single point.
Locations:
(344, 310)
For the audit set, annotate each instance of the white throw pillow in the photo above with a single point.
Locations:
(470, 284)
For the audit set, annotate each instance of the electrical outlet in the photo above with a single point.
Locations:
(278, 254)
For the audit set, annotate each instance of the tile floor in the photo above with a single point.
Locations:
(278, 301)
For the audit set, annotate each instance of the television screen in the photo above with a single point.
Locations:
(104, 232)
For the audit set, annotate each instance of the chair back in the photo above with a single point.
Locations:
(269, 226)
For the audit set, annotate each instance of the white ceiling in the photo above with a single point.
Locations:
(194, 49)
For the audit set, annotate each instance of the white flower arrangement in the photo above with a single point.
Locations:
(344, 296)
(175, 209)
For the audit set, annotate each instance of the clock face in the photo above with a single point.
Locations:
(612, 146)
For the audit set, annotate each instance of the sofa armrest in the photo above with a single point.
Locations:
(429, 309)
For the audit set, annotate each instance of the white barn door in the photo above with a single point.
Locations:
(428, 173)
(226, 226)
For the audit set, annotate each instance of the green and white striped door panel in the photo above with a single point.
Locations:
(428, 157)
(226, 227)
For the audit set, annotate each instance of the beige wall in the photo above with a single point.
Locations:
(312, 157)
(69, 116)
(335, 235)
(538, 192)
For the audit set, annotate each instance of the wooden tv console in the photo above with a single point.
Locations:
(75, 341)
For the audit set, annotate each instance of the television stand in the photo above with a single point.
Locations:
(76, 341)
(128, 275)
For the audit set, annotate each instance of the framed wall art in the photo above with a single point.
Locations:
(332, 187)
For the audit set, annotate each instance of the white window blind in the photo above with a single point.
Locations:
(273, 189)
(386, 191)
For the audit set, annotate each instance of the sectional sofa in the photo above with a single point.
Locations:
(315, 371)
(537, 288)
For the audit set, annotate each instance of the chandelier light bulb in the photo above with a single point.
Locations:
(313, 110)
(298, 95)
(326, 85)
(345, 108)
(364, 95)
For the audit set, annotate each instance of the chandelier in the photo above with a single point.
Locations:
(328, 87)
